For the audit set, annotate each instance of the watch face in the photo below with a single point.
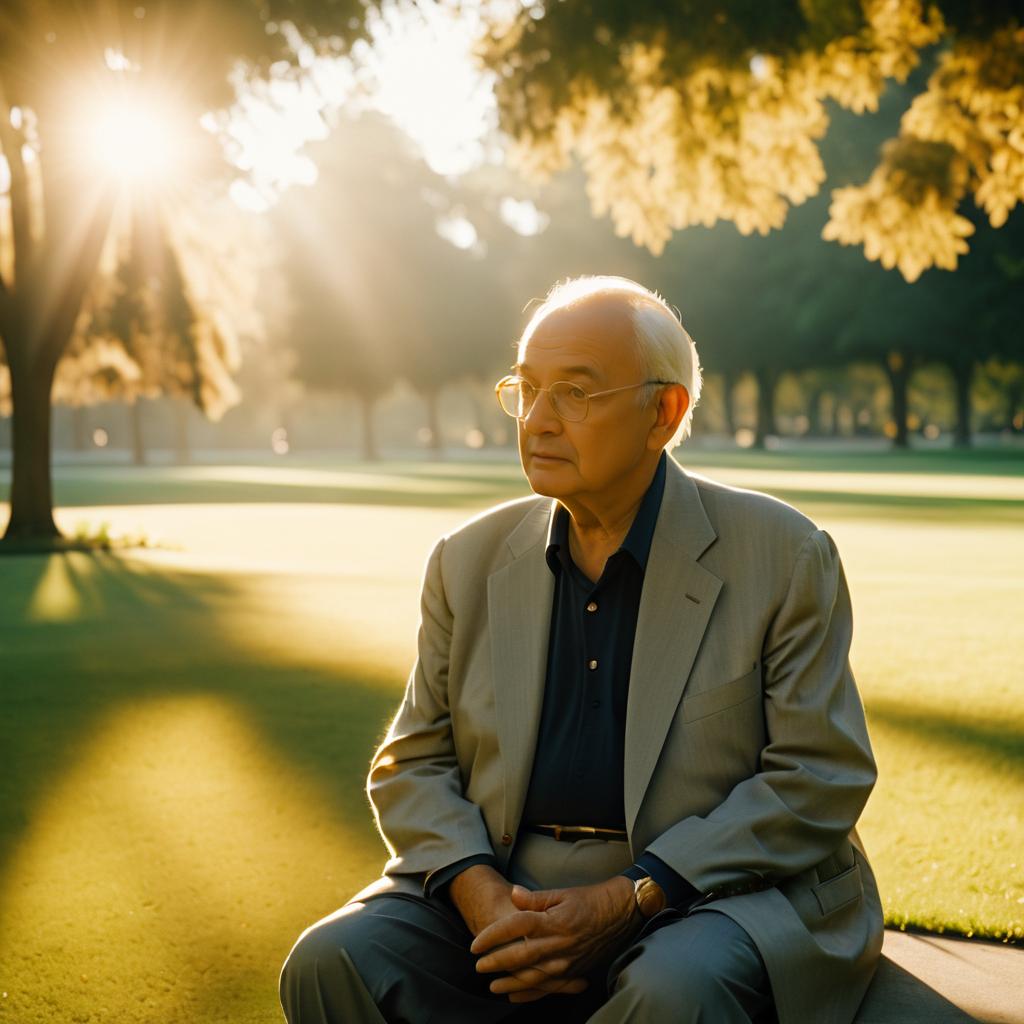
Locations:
(650, 897)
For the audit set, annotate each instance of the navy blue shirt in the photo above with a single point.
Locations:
(577, 776)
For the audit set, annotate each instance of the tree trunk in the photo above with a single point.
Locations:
(862, 417)
(767, 379)
(434, 423)
(814, 412)
(79, 429)
(31, 488)
(898, 370)
(138, 441)
(182, 447)
(51, 279)
(963, 374)
(1015, 407)
(367, 404)
(479, 420)
(284, 423)
(728, 389)
(836, 426)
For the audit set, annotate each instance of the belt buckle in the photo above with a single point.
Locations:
(564, 832)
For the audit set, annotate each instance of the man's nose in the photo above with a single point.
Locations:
(542, 416)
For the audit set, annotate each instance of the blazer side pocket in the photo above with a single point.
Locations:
(839, 891)
(718, 698)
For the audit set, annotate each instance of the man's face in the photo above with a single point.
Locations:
(588, 347)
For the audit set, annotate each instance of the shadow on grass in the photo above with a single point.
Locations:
(888, 506)
(980, 461)
(77, 494)
(1000, 743)
(142, 633)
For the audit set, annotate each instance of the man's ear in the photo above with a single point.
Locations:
(673, 401)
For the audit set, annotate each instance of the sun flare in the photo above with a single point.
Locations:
(137, 139)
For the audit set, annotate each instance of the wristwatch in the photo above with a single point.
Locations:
(650, 897)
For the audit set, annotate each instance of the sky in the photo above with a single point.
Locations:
(417, 70)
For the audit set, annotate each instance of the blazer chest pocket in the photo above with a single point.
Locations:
(838, 891)
(726, 695)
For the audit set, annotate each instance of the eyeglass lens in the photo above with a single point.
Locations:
(569, 400)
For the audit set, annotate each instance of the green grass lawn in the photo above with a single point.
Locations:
(184, 731)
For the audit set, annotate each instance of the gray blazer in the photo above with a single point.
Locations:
(747, 758)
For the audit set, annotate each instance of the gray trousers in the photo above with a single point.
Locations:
(403, 959)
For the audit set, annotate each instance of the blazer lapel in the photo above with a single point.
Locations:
(676, 603)
(519, 597)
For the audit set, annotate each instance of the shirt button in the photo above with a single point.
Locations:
(595, 703)
(592, 607)
(506, 839)
(592, 663)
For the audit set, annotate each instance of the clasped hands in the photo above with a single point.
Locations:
(544, 941)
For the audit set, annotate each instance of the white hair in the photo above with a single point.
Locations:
(665, 348)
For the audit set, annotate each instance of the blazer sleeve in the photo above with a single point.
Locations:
(414, 784)
(816, 769)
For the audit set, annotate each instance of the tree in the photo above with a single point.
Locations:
(142, 332)
(772, 304)
(981, 312)
(63, 70)
(340, 265)
(395, 298)
(686, 114)
(958, 321)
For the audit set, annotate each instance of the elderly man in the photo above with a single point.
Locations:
(623, 782)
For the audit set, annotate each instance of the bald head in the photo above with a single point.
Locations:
(623, 316)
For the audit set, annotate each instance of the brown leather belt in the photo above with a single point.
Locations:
(573, 833)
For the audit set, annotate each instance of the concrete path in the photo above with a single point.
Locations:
(930, 979)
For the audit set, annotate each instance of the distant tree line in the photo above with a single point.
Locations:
(379, 295)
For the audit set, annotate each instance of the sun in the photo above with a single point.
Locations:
(424, 77)
(134, 138)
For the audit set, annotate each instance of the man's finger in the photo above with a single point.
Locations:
(540, 899)
(521, 981)
(569, 986)
(504, 930)
(529, 996)
(566, 985)
(549, 971)
(516, 956)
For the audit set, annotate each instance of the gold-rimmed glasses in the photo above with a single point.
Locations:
(570, 402)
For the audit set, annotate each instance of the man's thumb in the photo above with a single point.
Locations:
(523, 898)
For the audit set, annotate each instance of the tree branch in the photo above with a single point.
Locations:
(10, 146)
(71, 270)
(5, 303)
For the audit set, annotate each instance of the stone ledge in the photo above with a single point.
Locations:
(932, 979)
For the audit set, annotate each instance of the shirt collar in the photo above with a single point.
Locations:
(638, 539)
